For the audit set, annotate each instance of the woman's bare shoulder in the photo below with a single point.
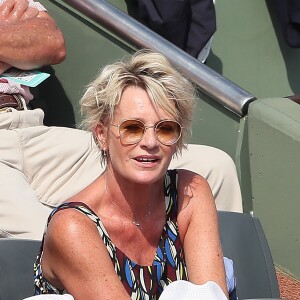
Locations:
(194, 198)
(191, 181)
(67, 231)
(73, 247)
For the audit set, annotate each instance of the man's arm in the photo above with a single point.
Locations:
(28, 38)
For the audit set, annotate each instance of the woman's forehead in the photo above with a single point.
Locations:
(139, 106)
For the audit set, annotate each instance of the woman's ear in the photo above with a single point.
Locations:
(100, 133)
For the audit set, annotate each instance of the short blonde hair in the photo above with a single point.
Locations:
(150, 71)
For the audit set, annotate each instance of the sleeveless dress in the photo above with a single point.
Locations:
(141, 282)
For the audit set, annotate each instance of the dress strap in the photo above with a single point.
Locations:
(82, 207)
(171, 194)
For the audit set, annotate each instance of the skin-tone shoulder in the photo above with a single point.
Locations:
(198, 229)
(74, 247)
(29, 39)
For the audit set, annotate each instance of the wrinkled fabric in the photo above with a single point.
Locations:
(185, 290)
(50, 297)
(10, 87)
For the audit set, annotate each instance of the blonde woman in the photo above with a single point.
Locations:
(139, 226)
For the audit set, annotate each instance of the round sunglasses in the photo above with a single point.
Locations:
(168, 132)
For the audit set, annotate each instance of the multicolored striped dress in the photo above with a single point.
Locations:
(141, 282)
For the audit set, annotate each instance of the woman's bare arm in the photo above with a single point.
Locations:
(198, 227)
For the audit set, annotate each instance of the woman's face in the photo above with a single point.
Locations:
(146, 161)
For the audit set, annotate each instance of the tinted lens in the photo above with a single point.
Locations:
(168, 132)
(131, 131)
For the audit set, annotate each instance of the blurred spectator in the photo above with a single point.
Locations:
(189, 24)
(288, 13)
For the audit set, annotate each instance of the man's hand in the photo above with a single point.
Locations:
(4, 67)
(14, 10)
(29, 38)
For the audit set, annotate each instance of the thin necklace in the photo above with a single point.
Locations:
(135, 222)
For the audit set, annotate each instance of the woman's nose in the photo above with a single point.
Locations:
(149, 138)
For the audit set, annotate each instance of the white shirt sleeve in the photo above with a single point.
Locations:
(37, 5)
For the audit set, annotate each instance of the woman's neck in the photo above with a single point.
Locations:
(132, 199)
